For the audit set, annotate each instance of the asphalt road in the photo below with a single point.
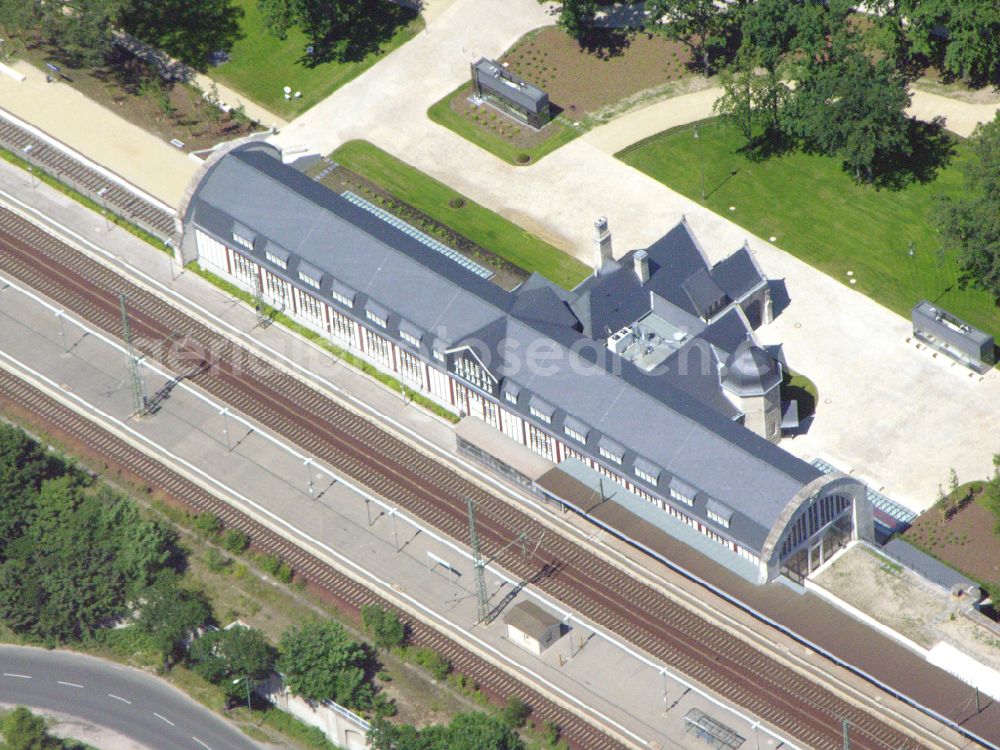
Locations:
(135, 704)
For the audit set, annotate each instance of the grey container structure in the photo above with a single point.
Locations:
(515, 96)
(952, 336)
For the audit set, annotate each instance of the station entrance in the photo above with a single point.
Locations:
(806, 557)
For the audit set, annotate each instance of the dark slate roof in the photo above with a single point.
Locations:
(704, 294)
(542, 305)
(751, 371)
(494, 76)
(727, 331)
(655, 416)
(737, 274)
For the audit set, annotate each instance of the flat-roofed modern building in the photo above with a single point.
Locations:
(953, 337)
(515, 96)
(645, 374)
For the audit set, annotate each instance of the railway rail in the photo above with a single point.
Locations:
(95, 185)
(391, 468)
(59, 419)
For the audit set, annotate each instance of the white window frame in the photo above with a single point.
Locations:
(376, 319)
(439, 355)
(409, 338)
(681, 497)
(645, 476)
(713, 516)
(308, 280)
(577, 436)
(605, 453)
(279, 262)
(540, 415)
(242, 241)
(342, 299)
(511, 397)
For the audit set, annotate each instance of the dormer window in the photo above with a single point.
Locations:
(243, 236)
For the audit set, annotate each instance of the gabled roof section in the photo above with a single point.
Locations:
(705, 295)
(542, 305)
(738, 274)
(727, 331)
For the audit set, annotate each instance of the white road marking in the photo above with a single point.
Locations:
(119, 698)
(18, 676)
(69, 684)
(201, 743)
(163, 718)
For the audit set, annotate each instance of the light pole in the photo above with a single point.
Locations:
(701, 154)
(104, 201)
(247, 681)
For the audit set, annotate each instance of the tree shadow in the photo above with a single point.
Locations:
(931, 148)
(606, 43)
(765, 145)
(365, 36)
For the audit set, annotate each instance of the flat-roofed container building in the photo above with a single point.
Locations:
(645, 377)
(510, 93)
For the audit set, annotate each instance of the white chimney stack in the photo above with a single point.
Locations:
(641, 262)
(602, 243)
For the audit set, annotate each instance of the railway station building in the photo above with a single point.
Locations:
(645, 377)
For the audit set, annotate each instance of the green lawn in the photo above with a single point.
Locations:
(473, 221)
(817, 213)
(262, 65)
(558, 134)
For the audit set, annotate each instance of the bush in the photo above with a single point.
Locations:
(515, 714)
(269, 563)
(235, 541)
(456, 202)
(383, 626)
(523, 158)
(216, 561)
(432, 661)
(207, 524)
(550, 732)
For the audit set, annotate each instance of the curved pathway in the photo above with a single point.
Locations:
(125, 700)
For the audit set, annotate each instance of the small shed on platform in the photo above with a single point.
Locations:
(531, 627)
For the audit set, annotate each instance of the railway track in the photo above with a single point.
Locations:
(348, 593)
(119, 200)
(389, 467)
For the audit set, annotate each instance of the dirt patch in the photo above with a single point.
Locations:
(500, 124)
(613, 65)
(965, 540)
(132, 89)
(902, 600)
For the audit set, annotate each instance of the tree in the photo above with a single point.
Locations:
(22, 730)
(767, 30)
(337, 29)
(969, 224)
(970, 46)
(236, 653)
(320, 661)
(81, 29)
(699, 24)
(576, 16)
(171, 615)
(753, 100)
(189, 31)
(853, 108)
(383, 626)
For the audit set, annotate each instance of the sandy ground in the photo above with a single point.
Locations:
(910, 605)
